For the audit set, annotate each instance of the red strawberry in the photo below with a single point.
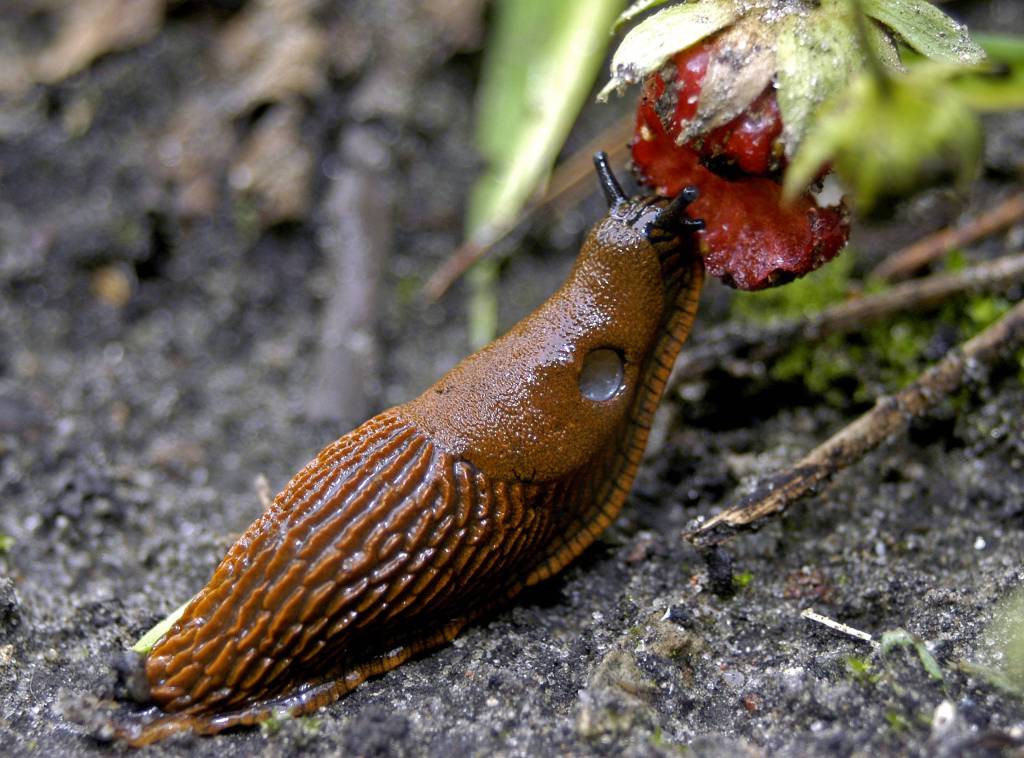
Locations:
(750, 139)
(751, 240)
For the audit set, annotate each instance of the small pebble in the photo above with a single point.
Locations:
(734, 679)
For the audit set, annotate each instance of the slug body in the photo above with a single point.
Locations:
(433, 512)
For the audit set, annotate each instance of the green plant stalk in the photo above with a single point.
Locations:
(149, 639)
(902, 638)
(542, 60)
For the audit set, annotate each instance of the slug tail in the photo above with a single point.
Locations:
(152, 726)
(141, 732)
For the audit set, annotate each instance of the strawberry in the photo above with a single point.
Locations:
(751, 239)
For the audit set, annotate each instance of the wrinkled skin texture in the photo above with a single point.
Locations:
(434, 512)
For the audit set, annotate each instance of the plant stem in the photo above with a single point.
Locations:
(730, 348)
(890, 416)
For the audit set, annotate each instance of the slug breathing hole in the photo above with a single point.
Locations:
(601, 375)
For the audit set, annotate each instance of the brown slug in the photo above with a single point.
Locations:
(433, 512)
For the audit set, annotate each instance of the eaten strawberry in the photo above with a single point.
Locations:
(751, 239)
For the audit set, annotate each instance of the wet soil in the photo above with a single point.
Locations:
(156, 356)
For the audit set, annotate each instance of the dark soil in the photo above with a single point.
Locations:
(156, 355)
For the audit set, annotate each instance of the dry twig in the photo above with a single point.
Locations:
(570, 179)
(356, 240)
(905, 262)
(890, 415)
(729, 347)
(811, 615)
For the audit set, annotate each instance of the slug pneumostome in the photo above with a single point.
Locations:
(434, 512)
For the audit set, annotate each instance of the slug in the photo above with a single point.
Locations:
(436, 511)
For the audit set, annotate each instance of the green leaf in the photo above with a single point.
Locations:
(818, 55)
(1005, 636)
(743, 579)
(883, 48)
(889, 137)
(1002, 48)
(1000, 88)
(150, 638)
(994, 93)
(541, 61)
(926, 29)
(634, 10)
(653, 41)
(6, 543)
(861, 671)
(994, 676)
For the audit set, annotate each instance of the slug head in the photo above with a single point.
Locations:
(557, 391)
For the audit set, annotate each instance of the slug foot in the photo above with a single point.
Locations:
(137, 727)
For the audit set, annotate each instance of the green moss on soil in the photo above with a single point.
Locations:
(856, 368)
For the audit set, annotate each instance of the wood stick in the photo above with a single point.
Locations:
(721, 347)
(356, 240)
(569, 179)
(576, 173)
(905, 262)
(891, 415)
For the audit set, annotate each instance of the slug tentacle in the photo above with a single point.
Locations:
(672, 219)
(439, 510)
(609, 184)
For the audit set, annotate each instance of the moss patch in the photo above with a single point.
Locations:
(855, 368)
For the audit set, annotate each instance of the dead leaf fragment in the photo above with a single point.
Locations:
(272, 51)
(113, 285)
(275, 166)
(87, 29)
(272, 54)
(741, 66)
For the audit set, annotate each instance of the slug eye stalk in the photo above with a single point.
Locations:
(609, 184)
(672, 219)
